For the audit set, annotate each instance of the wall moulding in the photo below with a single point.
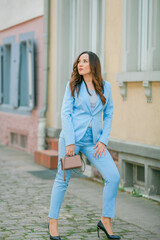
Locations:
(145, 77)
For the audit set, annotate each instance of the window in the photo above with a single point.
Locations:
(155, 180)
(17, 79)
(87, 21)
(97, 26)
(6, 73)
(149, 35)
(140, 45)
(1, 74)
(26, 74)
(6, 67)
(80, 26)
(140, 173)
(18, 140)
(134, 175)
(23, 76)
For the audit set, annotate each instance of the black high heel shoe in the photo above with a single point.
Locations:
(53, 237)
(101, 226)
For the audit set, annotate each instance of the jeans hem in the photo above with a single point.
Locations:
(108, 215)
(52, 217)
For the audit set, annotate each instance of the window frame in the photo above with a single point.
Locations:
(1, 73)
(132, 53)
(66, 34)
(77, 30)
(13, 106)
(6, 41)
(29, 39)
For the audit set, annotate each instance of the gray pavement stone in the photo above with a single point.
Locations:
(25, 197)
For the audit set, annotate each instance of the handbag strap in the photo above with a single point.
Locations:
(64, 168)
(84, 164)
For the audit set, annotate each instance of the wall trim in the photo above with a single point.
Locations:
(26, 36)
(144, 150)
(9, 40)
(7, 108)
(145, 77)
(153, 76)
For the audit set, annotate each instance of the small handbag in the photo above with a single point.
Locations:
(71, 162)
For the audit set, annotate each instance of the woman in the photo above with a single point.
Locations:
(86, 97)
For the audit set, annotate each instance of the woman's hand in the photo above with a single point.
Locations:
(100, 148)
(70, 149)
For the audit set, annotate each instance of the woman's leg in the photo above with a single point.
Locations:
(59, 188)
(106, 166)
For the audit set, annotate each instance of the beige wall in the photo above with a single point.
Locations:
(50, 109)
(134, 119)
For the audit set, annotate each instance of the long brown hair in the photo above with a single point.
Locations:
(77, 79)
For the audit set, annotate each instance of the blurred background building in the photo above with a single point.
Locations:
(39, 42)
(21, 71)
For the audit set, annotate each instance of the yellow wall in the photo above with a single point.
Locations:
(50, 109)
(134, 119)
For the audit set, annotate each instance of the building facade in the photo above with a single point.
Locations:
(126, 37)
(21, 62)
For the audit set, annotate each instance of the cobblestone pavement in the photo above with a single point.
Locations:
(24, 202)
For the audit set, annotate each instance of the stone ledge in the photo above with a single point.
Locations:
(47, 158)
(52, 143)
(145, 150)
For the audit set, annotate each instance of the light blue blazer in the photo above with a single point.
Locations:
(76, 115)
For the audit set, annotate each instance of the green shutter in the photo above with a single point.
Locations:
(31, 75)
(14, 75)
(6, 73)
(1, 74)
(23, 75)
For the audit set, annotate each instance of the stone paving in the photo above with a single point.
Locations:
(25, 189)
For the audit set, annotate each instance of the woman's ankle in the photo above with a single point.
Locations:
(53, 227)
(105, 219)
(52, 220)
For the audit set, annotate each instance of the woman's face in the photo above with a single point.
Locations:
(83, 65)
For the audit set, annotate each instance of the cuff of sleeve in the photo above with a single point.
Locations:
(103, 141)
(69, 142)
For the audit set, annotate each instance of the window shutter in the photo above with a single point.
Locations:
(23, 76)
(6, 73)
(1, 74)
(14, 75)
(31, 75)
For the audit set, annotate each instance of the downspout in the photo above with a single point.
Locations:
(42, 117)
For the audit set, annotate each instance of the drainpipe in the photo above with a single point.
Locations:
(42, 117)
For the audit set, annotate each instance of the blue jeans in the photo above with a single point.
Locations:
(105, 165)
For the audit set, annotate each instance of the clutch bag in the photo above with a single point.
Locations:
(71, 162)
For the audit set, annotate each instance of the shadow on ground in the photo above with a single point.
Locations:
(50, 174)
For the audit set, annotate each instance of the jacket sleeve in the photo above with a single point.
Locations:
(66, 112)
(107, 119)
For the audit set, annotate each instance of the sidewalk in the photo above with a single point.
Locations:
(25, 189)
